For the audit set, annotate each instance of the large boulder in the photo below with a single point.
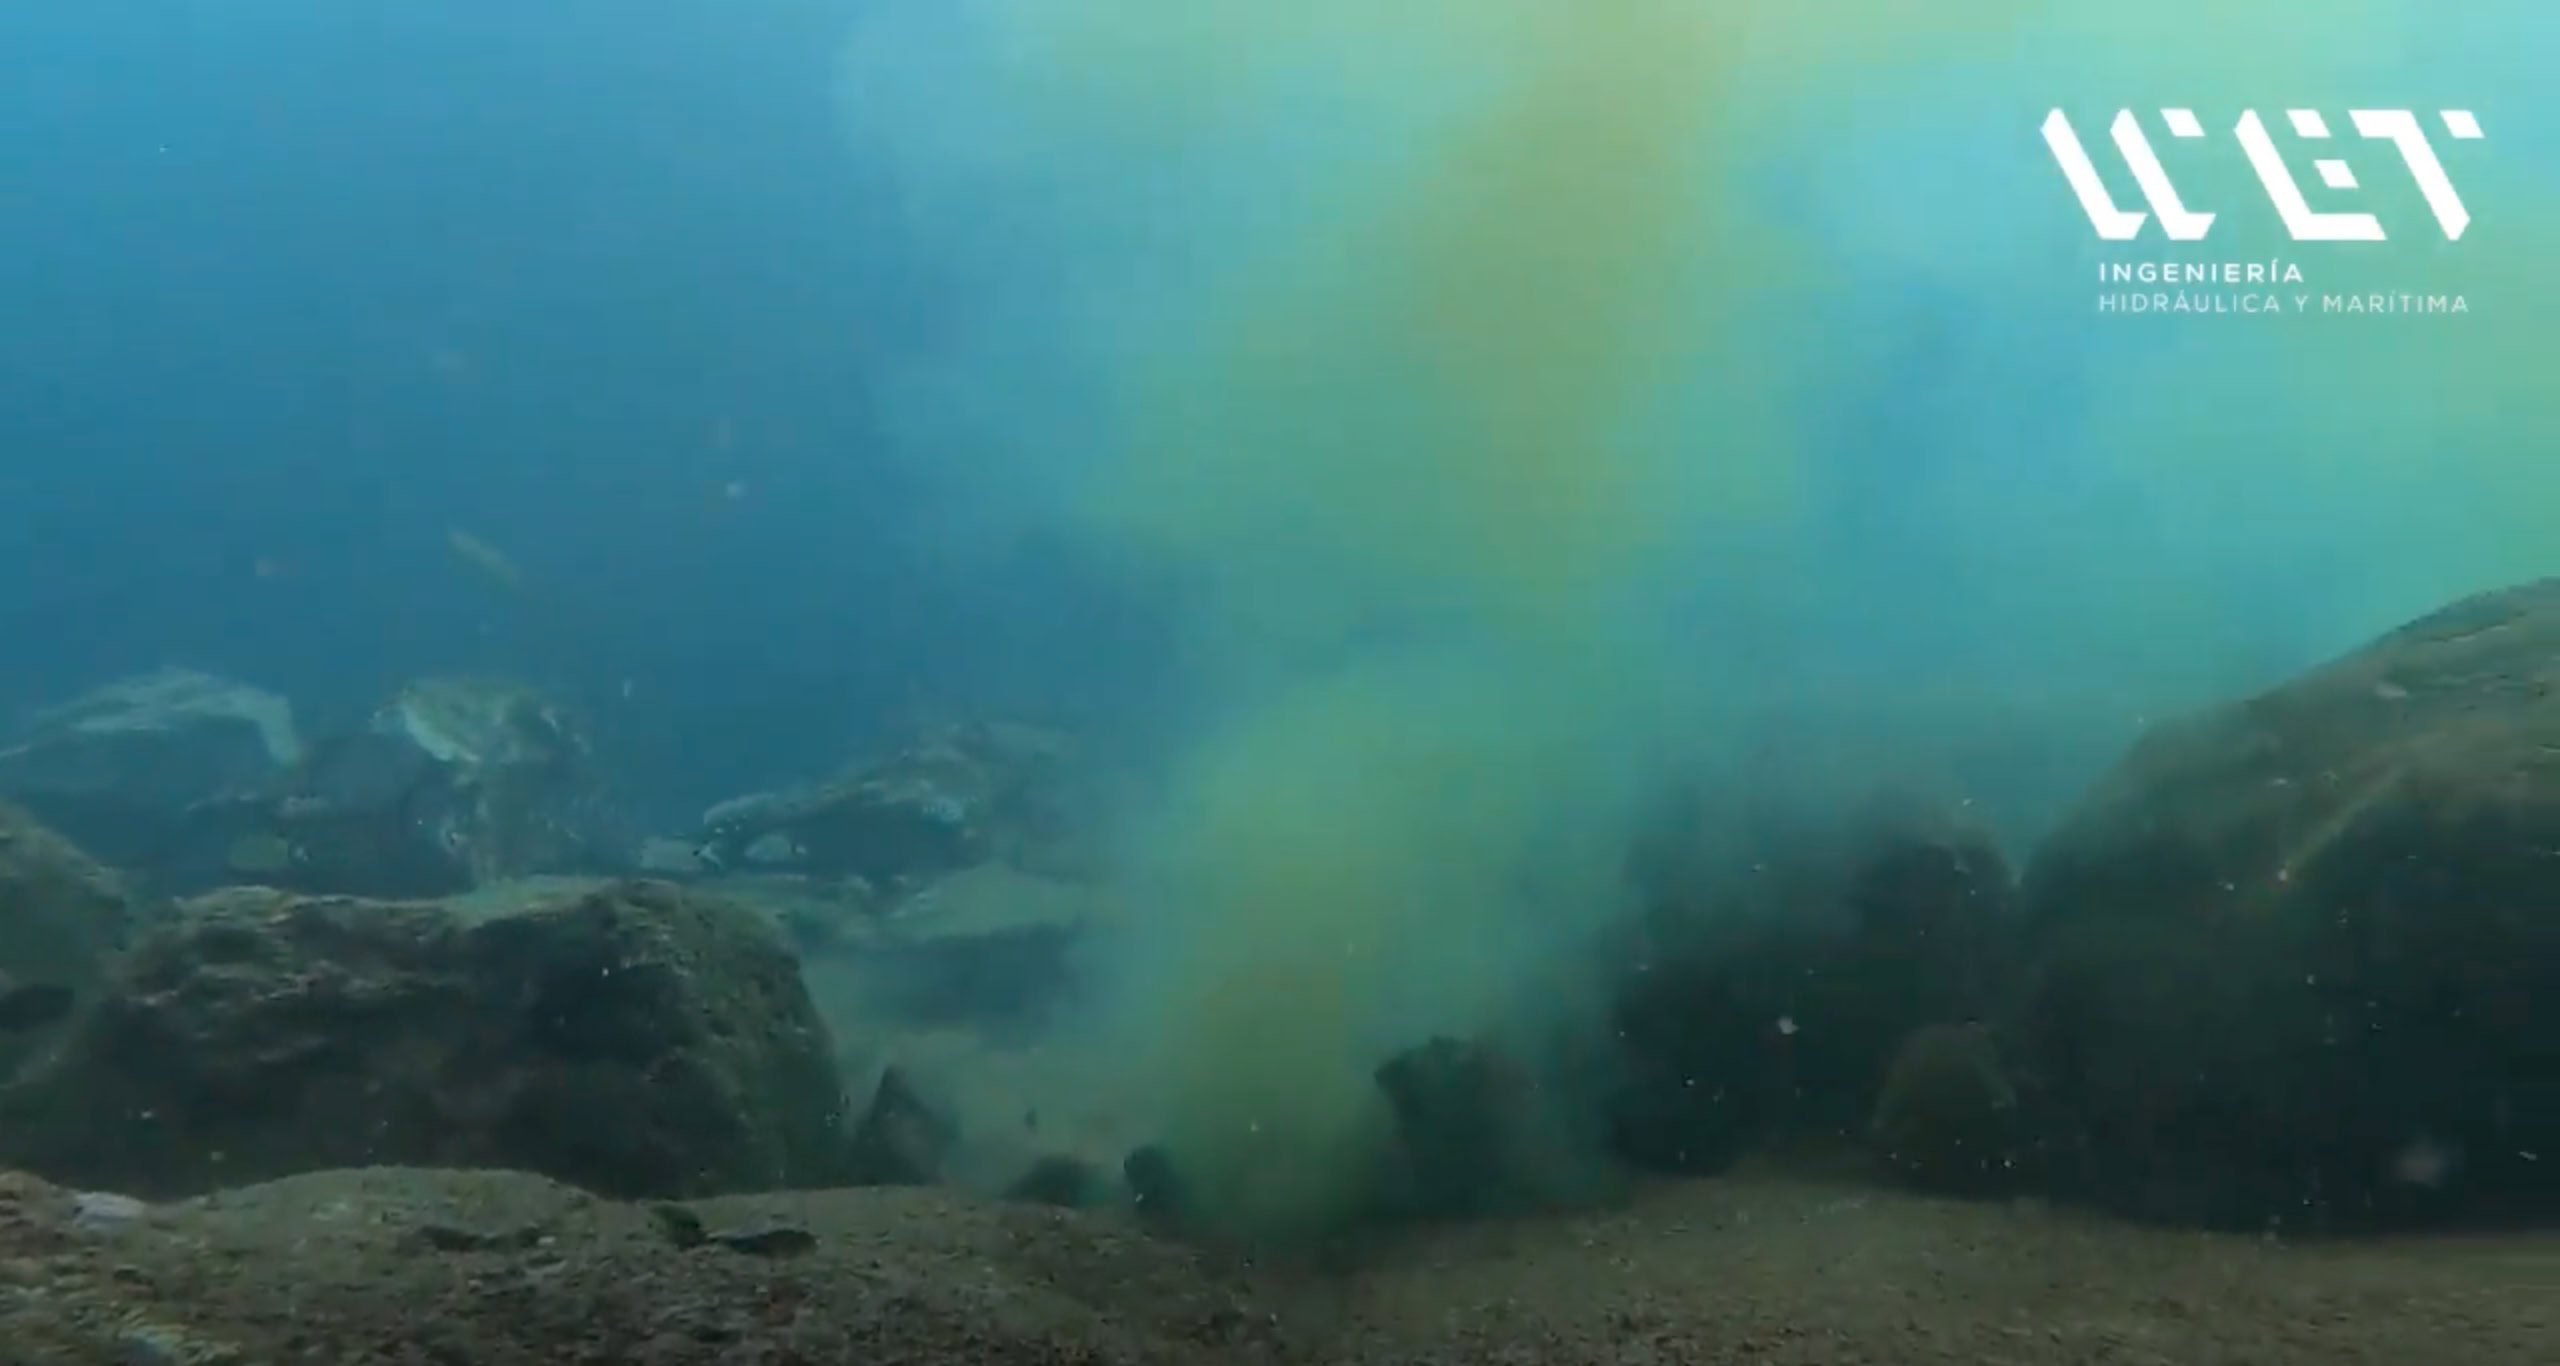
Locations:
(2299, 956)
(63, 917)
(452, 784)
(629, 1037)
(129, 769)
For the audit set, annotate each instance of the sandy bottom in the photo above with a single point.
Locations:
(1771, 1270)
(496, 1269)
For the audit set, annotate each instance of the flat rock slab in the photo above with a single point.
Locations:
(497, 1269)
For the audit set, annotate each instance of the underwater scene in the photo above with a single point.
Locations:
(1330, 683)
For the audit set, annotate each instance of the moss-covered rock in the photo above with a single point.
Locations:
(630, 1038)
(2293, 941)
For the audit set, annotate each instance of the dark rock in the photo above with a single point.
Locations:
(33, 1005)
(1156, 1187)
(1457, 1107)
(453, 784)
(447, 1238)
(902, 1141)
(1948, 1117)
(1486, 1130)
(2289, 942)
(1766, 989)
(633, 1039)
(1066, 1182)
(955, 797)
(779, 1240)
(63, 917)
(682, 1226)
(132, 770)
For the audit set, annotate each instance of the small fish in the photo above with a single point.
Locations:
(32, 1006)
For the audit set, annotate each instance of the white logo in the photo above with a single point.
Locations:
(2182, 224)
